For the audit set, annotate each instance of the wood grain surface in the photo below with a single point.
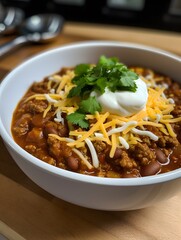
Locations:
(28, 212)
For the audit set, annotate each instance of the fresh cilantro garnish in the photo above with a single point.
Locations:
(78, 119)
(87, 106)
(108, 73)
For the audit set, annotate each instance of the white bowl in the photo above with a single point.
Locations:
(87, 191)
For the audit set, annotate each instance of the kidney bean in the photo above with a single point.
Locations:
(151, 169)
(117, 153)
(50, 127)
(72, 163)
(63, 130)
(101, 157)
(36, 136)
(160, 156)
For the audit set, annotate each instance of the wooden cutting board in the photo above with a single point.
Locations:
(28, 212)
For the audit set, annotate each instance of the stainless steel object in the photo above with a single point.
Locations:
(35, 29)
(10, 19)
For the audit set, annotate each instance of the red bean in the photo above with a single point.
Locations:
(63, 130)
(73, 163)
(151, 169)
(101, 157)
(50, 127)
(36, 136)
(117, 153)
(160, 156)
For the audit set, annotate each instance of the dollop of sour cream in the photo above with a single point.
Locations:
(123, 103)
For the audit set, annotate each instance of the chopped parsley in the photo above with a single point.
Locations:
(108, 73)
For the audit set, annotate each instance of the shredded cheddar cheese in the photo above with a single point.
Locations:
(114, 145)
(94, 128)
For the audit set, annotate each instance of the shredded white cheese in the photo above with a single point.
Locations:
(171, 101)
(98, 135)
(49, 99)
(158, 117)
(95, 160)
(145, 133)
(121, 129)
(52, 90)
(123, 142)
(59, 117)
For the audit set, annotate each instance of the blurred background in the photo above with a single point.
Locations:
(155, 14)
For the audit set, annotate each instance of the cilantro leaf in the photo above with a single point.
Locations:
(101, 84)
(81, 69)
(123, 82)
(77, 91)
(107, 61)
(78, 118)
(108, 72)
(89, 105)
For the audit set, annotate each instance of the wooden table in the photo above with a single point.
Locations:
(28, 212)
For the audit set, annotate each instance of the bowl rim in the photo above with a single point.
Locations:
(147, 180)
